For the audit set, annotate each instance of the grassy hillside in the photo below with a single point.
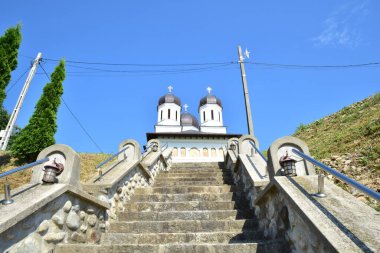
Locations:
(88, 163)
(349, 141)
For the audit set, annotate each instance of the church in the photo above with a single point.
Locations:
(180, 130)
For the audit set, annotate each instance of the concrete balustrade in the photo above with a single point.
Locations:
(45, 215)
(288, 207)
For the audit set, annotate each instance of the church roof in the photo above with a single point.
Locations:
(210, 99)
(191, 134)
(188, 119)
(169, 98)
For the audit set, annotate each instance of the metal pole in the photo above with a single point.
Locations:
(9, 129)
(246, 95)
(321, 186)
(7, 193)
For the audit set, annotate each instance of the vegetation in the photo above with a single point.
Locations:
(87, 171)
(39, 133)
(9, 45)
(349, 140)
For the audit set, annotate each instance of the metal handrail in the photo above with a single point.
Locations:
(258, 151)
(369, 192)
(110, 158)
(24, 167)
(7, 187)
(164, 147)
(146, 148)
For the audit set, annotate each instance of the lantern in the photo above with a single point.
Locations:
(155, 147)
(52, 171)
(288, 165)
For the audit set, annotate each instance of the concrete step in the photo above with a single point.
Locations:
(182, 226)
(178, 206)
(258, 247)
(198, 170)
(187, 215)
(189, 183)
(191, 179)
(194, 175)
(228, 196)
(181, 238)
(187, 189)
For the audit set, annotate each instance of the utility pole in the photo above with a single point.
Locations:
(6, 134)
(246, 95)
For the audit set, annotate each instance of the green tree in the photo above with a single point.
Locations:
(9, 45)
(39, 133)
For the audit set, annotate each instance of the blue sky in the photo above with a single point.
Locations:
(118, 105)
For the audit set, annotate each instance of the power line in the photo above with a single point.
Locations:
(314, 66)
(142, 64)
(18, 79)
(268, 64)
(74, 116)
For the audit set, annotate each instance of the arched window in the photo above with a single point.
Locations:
(176, 115)
(161, 115)
(194, 152)
(212, 114)
(183, 152)
(219, 116)
(205, 152)
(220, 152)
(204, 116)
(168, 113)
(175, 152)
(213, 152)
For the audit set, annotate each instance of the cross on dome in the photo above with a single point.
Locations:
(209, 89)
(170, 88)
(185, 106)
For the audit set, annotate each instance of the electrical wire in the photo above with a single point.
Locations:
(142, 64)
(18, 79)
(74, 116)
(224, 63)
(314, 66)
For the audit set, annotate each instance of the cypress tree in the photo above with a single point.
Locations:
(9, 45)
(39, 133)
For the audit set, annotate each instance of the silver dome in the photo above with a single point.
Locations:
(189, 120)
(169, 98)
(210, 99)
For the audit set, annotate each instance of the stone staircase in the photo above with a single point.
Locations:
(191, 208)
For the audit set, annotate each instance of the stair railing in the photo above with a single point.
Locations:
(164, 147)
(152, 146)
(321, 193)
(258, 151)
(7, 188)
(107, 160)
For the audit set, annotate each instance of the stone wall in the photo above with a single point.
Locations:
(278, 218)
(66, 219)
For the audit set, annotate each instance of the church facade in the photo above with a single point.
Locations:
(180, 130)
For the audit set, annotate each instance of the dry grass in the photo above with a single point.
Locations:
(88, 163)
(352, 132)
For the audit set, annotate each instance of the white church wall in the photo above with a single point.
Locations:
(211, 129)
(211, 115)
(163, 117)
(167, 129)
(196, 150)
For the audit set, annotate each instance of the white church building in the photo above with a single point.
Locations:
(181, 131)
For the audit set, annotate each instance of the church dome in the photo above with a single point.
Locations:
(189, 120)
(210, 99)
(169, 98)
